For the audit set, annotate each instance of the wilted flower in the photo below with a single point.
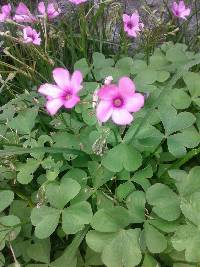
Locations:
(108, 80)
(31, 36)
(132, 24)
(23, 14)
(5, 12)
(51, 10)
(65, 92)
(77, 2)
(180, 10)
(118, 101)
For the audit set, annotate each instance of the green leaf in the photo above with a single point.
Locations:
(187, 237)
(99, 61)
(92, 258)
(123, 190)
(2, 260)
(180, 99)
(70, 253)
(147, 76)
(136, 206)
(83, 66)
(35, 265)
(126, 64)
(6, 198)
(138, 66)
(162, 76)
(110, 220)
(192, 81)
(26, 170)
(191, 208)
(89, 116)
(163, 198)
(183, 265)
(155, 241)
(40, 251)
(78, 175)
(164, 226)
(122, 156)
(10, 227)
(96, 240)
(76, 216)
(25, 121)
(21, 209)
(176, 55)
(187, 184)
(177, 122)
(59, 194)
(149, 261)
(46, 220)
(99, 174)
(111, 71)
(177, 143)
(123, 250)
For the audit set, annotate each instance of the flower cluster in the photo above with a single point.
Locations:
(132, 23)
(114, 101)
(24, 15)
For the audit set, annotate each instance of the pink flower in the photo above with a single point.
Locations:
(52, 10)
(179, 10)
(118, 101)
(65, 92)
(31, 36)
(77, 2)
(132, 24)
(23, 14)
(5, 12)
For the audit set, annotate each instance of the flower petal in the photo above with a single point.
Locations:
(2, 17)
(126, 18)
(52, 10)
(41, 8)
(122, 117)
(6, 9)
(104, 111)
(135, 18)
(72, 101)
(135, 103)
(61, 77)
(126, 87)
(186, 13)
(54, 105)
(51, 90)
(22, 9)
(76, 81)
(108, 92)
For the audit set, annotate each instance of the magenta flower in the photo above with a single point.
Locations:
(51, 11)
(132, 24)
(31, 36)
(179, 10)
(118, 101)
(64, 93)
(5, 12)
(77, 2)
(23, 14)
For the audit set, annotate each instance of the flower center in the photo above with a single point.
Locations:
(130, 25)
(68, 96)
(118, 102)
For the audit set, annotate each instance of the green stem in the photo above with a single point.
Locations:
(191, 154)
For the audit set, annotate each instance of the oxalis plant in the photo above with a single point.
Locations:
(99, 161)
